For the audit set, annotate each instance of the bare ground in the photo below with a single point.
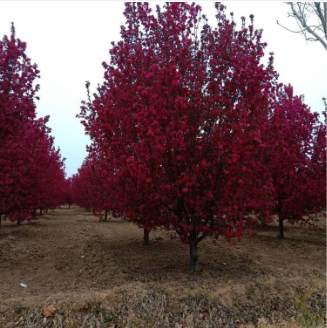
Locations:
(98, 274)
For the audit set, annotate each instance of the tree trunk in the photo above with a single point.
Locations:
(0, 218)
(105, 215)
(281, 229)
(46, 210)
(93, 211)
(194, 256)
(41, 211)
(145, 237)
(18, 222)
(68, 205)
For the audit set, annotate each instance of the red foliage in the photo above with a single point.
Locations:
(31, 169)
(180, 120)
(82, 187)
(298, 160)
(68, 192)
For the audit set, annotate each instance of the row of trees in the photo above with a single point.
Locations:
(191, 132)
(32, 176)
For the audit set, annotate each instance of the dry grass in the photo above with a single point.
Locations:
(98, 274)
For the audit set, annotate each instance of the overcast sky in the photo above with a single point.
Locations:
(70, 39)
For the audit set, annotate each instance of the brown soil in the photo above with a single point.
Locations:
(101, 270)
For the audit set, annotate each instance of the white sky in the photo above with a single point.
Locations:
(70, 39)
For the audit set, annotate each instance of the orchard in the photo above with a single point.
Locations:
(195, 144)
(192, 132)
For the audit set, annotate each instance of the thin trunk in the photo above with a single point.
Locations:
(194, 256)
(105, 215)
(41, 211)
(18, 222)
(93, 211)
(68, 205)
(145, 237)
(46, 210)
(0, 218)
(281, 229)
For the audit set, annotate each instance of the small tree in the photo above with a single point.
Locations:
(82, 188)
(297, 161)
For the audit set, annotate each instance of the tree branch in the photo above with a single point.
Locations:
(302, 31)
(303, 22)
(321, 16)
(304, 13)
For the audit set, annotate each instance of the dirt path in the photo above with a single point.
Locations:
(68, 251)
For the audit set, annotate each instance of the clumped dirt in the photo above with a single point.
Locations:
(98, 274)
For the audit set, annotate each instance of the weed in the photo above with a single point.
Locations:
(19, 309)
(203, 292)
(307, 318)
(249, 290)
(110, 318)
(70, 323)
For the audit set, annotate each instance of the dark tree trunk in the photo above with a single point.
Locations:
(194, 256)
(46, 210)
(0, 218)
(41, 211)
(105, 215)
(146, 237)
(281, 229)
(93, 211)
(68, 205)
(18, 222)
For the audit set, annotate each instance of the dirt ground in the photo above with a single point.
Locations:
(83, 273)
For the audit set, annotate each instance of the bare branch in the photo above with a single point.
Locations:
(311, 18)
(289, 29)
(321, 16)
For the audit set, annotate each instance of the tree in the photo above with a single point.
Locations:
(180, 120)
(82, 188)
(297, 160)
(311, 18)
(31, 169)
(68, 196)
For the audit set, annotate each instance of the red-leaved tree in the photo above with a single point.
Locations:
(298, 160)
(82, 187)
(31, 169)
(180, 121)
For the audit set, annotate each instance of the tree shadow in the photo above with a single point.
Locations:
(169, 260)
